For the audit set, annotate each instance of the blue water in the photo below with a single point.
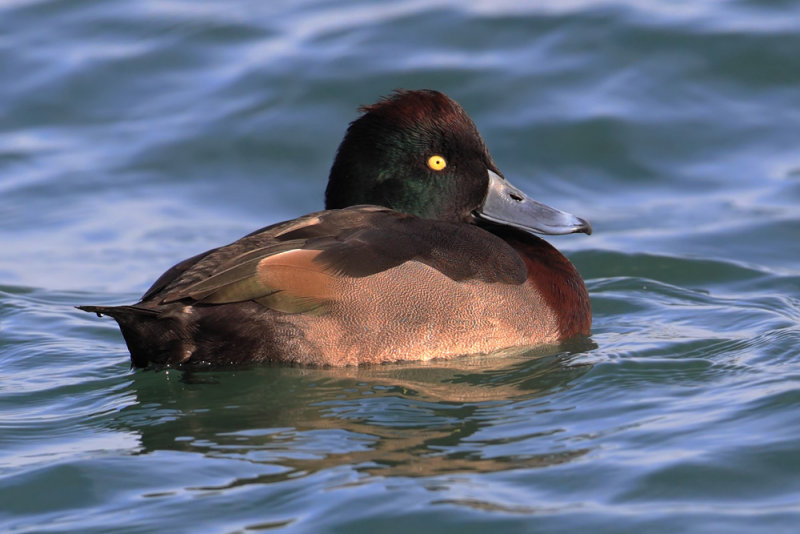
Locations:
(135, 134)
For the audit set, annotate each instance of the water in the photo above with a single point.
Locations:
(135, 134)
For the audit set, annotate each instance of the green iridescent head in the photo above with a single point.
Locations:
(419, 152)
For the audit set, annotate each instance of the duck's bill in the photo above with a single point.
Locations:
(507, 205)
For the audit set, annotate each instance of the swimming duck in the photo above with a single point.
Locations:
(424, 251)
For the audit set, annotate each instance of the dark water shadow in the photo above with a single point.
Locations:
(400, 420)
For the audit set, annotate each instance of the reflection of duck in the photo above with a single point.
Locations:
(414, 420)
(361, 283)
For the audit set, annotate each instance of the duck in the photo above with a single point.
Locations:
(424, 251)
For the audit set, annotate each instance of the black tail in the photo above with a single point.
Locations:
(151, 338)
(118, 312)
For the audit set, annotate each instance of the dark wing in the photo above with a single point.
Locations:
(293, 266)
(173, 273)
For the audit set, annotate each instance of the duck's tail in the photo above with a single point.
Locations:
(151, 339)
(118, 312)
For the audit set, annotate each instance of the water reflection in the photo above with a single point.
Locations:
(469, 415)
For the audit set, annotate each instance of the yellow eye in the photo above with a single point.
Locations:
(437, 163)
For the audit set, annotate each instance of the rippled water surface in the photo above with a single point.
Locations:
(135, 134)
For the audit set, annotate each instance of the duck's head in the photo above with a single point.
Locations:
(418, 152)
